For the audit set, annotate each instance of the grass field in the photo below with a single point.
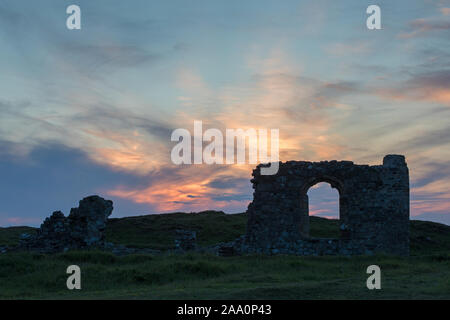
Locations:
(423, 275)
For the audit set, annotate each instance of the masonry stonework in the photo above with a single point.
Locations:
(373, 201)
(83, 228)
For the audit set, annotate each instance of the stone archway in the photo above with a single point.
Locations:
(374, 208)
(304, 223)
(321, 200)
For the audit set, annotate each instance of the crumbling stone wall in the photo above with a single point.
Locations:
(83, 228)
(185, 240)
(374, 208)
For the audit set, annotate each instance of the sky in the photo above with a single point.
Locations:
(91, 111)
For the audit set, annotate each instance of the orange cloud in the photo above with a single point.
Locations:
(189, 188)
(445, 11)
(419, 207)
(279, 98)
(417, 94)
(424, 25)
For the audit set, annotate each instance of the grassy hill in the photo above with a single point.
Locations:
(158, 231)
(423, 275)
(10, 236)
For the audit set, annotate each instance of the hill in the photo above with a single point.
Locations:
(157, 231)
(423, 275)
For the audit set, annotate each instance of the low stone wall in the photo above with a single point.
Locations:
(185, 240)
(313, 246)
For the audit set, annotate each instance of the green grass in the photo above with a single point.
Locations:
(10, 236)
(192, 276)
(428, 237)
(158, 231)
(423, 275)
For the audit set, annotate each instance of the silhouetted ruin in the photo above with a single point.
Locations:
(374, 215)
(374, 208)
(83, 228)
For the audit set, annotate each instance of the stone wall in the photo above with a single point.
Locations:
(83, 228)
(185, 240)
(374, 208)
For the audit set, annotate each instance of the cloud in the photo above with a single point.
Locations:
(432, 172)
(276, 96)
(428, 139)
(191, 188)
(323, 201)
(227, 182)
(341, 49)
(55, 177)
(95, 60)
(110, 135)
(105, 100)
(6, 220)
(421, 27)
(433, 86)
(19, 124)
(432, 59)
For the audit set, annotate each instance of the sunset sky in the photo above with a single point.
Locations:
(91, 111)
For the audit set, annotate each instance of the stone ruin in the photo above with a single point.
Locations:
(83, 228)
(185, 240)
(373, 201)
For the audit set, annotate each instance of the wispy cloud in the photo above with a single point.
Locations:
(113, 92)
(348, 48)
(423, 26)
(433, 86)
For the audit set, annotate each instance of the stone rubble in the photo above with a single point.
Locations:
(83, 228)
(185, 240)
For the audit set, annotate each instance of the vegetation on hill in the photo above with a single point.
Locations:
(158, 231)
(10, 236)
(423, 275)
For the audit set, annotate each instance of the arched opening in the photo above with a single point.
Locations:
(323, 211)
(328, 208)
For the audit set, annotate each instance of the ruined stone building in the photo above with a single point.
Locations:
(83, 228)
(373, 201)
